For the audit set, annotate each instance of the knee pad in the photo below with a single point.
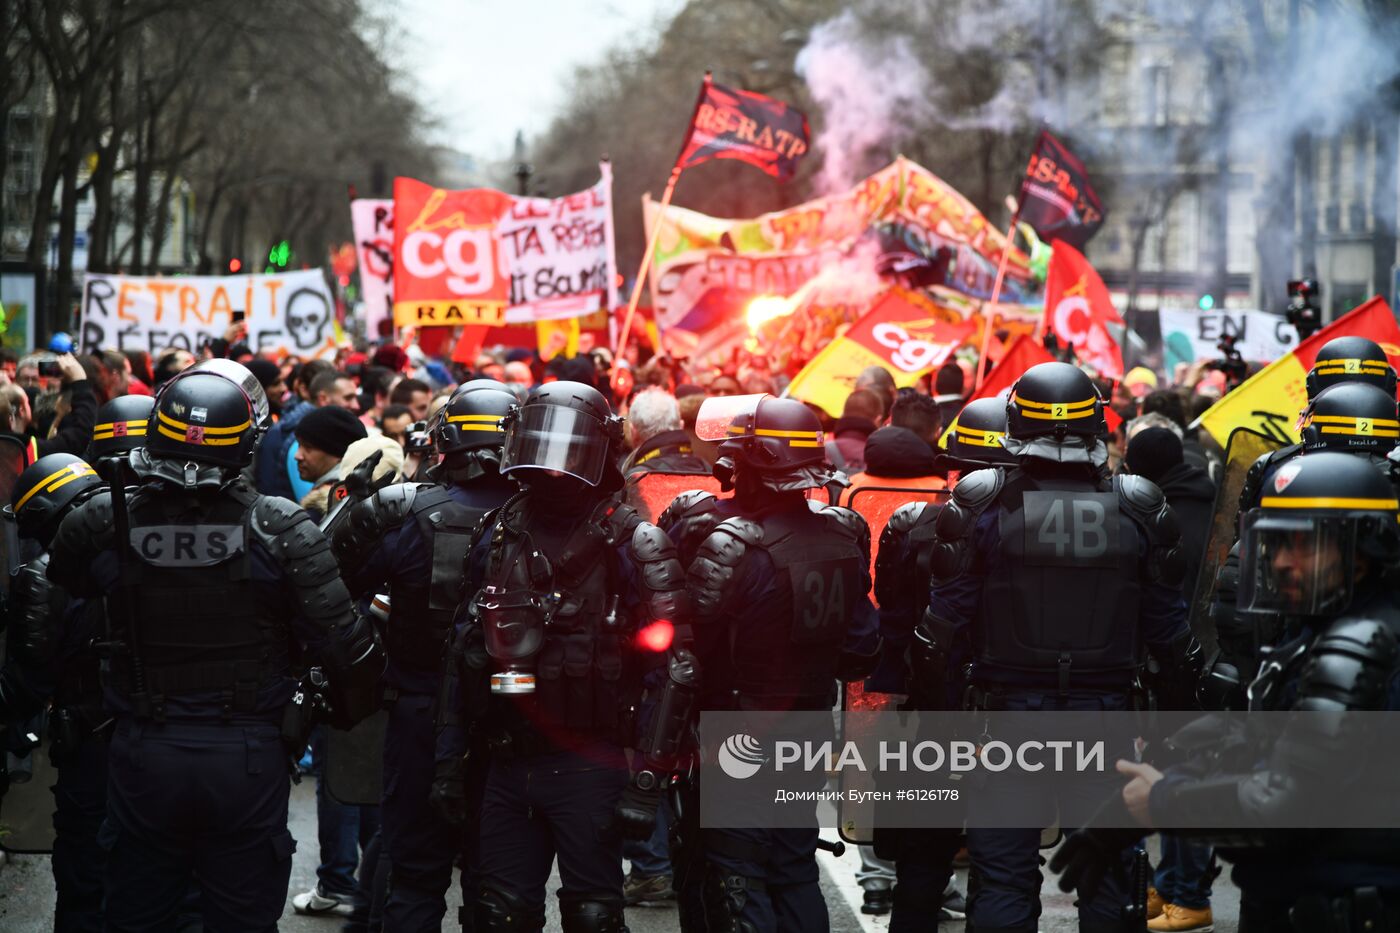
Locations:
(499, 911)
(591, 917)
(726, 893)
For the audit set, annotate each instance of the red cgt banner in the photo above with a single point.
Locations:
(449, 268)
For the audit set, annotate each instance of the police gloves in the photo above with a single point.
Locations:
(448, 795)
(1091, 853)
(635, 816)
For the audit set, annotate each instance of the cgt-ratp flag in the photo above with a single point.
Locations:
(1056, 197)
(731, 124)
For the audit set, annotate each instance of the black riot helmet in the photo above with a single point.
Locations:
(468, 430)
(567, 428)
(1351, 416)
(779, 440)
(1350, 359)
(45, 492)
(1317, 514)
(1054, 413)
(249, 383)
(203, 427)
(975, 438)
(122, 426)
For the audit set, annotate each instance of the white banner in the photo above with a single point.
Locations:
(291, 312)
(1189, 335)
(560, 254)
(372, 220)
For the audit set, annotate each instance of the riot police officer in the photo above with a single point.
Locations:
(216, 597)
(1320, 553)
(1049, 581)
(923, 858)
(49, 659)
(779, 589)
(409, 540)
(122, 426)
(1341, 361)
(564, 580)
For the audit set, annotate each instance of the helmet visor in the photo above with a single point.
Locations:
(558, 439)
(719, 413)
(1296, 564)
(242, 377)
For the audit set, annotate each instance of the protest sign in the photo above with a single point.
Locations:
(1189, 335)
(291, 312)
(372, 220)
(707, 268)
(449, 268)
(560, 254)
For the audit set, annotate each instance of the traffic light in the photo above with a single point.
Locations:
(1207, 302)
(279, 255)
(235, 264)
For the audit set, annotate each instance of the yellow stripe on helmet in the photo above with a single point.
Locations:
(181, 426)
(57, 480)
(1328, 502)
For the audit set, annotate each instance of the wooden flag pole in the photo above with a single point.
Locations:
(991, 302)
(646, 264)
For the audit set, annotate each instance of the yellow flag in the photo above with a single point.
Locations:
(548, 334)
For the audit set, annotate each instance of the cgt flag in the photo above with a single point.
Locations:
(1056, 197)
(1269, 402)
(730, 124)
(904, 332)
(1078, 308)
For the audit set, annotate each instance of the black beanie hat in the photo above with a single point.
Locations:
(265, 371)
(330, 429)
(1152, 452)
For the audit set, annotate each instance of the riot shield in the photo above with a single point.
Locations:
(875, 504)
(1244, 448)
(27, 806)
(354, 766)
(651, 493)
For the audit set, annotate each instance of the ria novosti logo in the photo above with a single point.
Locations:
(741, 756)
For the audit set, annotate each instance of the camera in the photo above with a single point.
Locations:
(1304, 309)
(45, 362)
(1231, 362)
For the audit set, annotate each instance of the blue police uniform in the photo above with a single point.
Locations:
(1050, 582)
(781, 611)
(409, 541)
(223, 586)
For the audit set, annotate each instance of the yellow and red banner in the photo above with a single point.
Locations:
(904, 332)
(1270, 401)
(449, 268)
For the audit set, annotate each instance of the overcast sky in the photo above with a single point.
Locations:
(486, 68)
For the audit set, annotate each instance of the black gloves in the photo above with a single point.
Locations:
(1092, 852)
(635, 816)
(448, 796)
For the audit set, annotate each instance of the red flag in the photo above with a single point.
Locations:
(730, 124)
(1372, 319)
(1077, 307)
(1021, 354)
(1056, 197)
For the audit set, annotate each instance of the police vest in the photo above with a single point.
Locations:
(1066, 598)
(572, 590)
(421, 610)
(821, 568)
(202, 626)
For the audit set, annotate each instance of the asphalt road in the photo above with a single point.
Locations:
(26, 892)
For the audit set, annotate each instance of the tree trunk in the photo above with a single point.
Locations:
(60, 315)
(1305, 156)
(55, 155)
(1384, 196)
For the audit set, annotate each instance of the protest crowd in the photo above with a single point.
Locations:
(484, 591)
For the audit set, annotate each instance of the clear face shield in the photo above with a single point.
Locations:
(726, 416)
(242, 377)
(1296, 564)
(557, 439)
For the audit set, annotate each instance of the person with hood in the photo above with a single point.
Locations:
(1157, 454)
(859, 418)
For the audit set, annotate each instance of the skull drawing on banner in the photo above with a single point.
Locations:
(307, 317)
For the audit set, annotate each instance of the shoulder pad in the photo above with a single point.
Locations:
(354, 539)
(977, 489)
(853, 524)
(903, 519)
(715, 563)
(651, 543)
(83, 533)
(1147, 506)
(1350, 666)
(395, 503)
(1254, 478)
(692, 501)
(273, 515)
(621, 521)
